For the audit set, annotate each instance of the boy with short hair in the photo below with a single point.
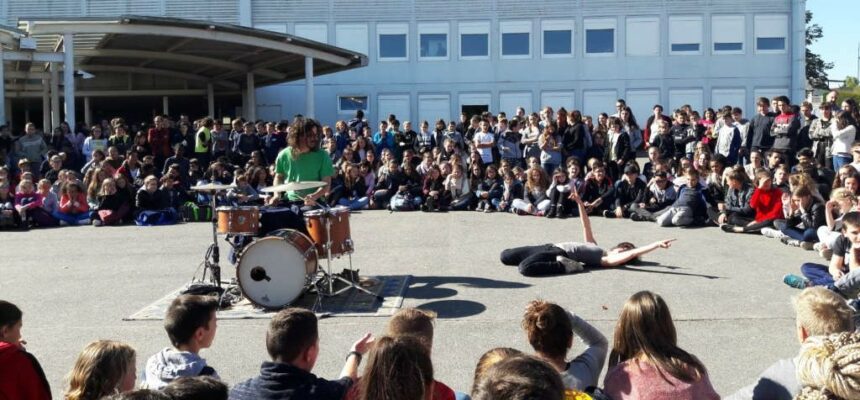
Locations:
(21, 376)
(820, 312)
(846, 257)
(190, 324)
(419, 323)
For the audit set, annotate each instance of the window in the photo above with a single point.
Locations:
(393, 42)
(474, 40)
(770, 33)
(351, 37)
(557, 38)
(433, 41)
(643, 36)
(516, 38)
(599, 37)
(351, 104)
(432, 107)
(397, 104)
(474, 103)
(685, 35)
(727, 34)
(316, 32)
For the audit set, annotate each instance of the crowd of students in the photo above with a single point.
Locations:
(645, 361)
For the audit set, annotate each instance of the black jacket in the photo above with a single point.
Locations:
(155, 201)
(284, 381)
(814, 218)
(627, 194)
(760, 129)
(621, 150)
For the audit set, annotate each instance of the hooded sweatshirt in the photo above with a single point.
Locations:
(22, 376)
(169, 364)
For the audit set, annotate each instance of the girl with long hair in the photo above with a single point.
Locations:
(646, 362)
(103, 368)
(398, 368)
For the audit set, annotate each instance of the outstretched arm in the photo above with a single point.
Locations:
(614, 260)
(587, 234)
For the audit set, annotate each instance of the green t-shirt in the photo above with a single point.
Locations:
(311, 166)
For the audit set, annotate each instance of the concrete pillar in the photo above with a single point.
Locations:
(251, 104)
(46, 105)
(245, 18)
(309, 87)
(210, 99)
(88, 112)
(55, 96)
(798, 50)
(3, 113)
(165, 105)
(69, 77)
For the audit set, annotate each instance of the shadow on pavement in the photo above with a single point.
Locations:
(428, 287)
(454, 308)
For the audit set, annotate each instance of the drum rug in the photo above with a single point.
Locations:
(351, 303)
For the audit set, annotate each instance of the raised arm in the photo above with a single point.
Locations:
(587, 234)
(620, 258)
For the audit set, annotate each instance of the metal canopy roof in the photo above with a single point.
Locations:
(152, 53)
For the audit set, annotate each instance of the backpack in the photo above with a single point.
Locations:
(402, 202)
(191, 212)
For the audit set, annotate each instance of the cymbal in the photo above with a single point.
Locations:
(211, 187)
(293, 186)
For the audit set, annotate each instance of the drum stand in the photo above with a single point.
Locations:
(213, 254)
(328, 276)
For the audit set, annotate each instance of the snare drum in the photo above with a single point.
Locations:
(273, 271)
(341, 241)
(238, 220)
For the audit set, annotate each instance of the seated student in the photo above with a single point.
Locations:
(827, 367)
(841, 202)
(646, 362)
(558, 193)
(488, 359)
(293, 343)
(572, 257)
(27, 200)
(397, 368)
(50, 204)
(629, 191)
(190, 323)
(387, 185)
(489, 189)
(735, 208)
(766, 203)
(512, 189)
(551, 329)
(113, 207)
(520, 377)
(152, 206)
(243, 194)
(660, 194)
(534, 201)
(74, 209)
(22, 375)
(103, 368)
(354, 194)
(690, 206)
(804, 216)
(598, 192)
(9, 218)
(846, 256)
(139, 394)
(196, 388)
(457, 189)
(434, 191)
(419, 324)
(819, 312)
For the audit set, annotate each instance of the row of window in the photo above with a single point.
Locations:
(558, 38)
(432, 106)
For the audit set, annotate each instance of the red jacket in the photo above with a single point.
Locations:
(767, 204)
(21, 376)
(440, 392)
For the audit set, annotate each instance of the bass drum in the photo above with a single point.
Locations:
(273, 271)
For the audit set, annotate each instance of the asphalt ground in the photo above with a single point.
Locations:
(730, 307)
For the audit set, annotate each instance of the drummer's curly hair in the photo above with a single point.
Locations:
(298, 130)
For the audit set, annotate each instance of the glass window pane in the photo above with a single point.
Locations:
(434, 45)
(600, 41)
(353, 103)
(556, 42)
(515, 44)
(685, 47)
(770, 43)
(392, 46)
(474, 44)
(728, 46)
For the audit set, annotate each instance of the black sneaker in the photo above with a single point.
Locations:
(637, 217)
(727, 228)
(608, 214)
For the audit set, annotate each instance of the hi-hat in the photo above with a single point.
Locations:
(293, 186)
(212, 187)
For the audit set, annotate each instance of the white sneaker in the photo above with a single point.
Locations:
(570, 266)
(772, 233)
(97, 222)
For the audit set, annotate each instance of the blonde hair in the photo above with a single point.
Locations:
(830, 365)
(490, 358)
(822, 312)
(99, 370)
(842, 194)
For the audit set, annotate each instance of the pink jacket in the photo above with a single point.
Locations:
(636, 380)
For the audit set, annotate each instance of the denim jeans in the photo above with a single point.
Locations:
(839, 161)
(818, 274)
(355, 204)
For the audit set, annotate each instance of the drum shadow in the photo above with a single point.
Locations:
(453, 308)
(428, 287)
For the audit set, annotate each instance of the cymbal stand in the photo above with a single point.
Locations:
(213, 254)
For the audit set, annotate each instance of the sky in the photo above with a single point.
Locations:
(838, 19)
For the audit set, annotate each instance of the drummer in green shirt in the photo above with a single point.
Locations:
(301, 161)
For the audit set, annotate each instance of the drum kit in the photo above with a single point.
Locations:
(277, 267)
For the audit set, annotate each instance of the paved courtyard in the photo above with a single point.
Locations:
(76, 285)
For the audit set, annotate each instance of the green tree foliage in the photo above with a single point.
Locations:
(816, 67)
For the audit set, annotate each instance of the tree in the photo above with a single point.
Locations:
(816, 67)
(851, 82)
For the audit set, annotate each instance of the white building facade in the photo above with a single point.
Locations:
(431, 59)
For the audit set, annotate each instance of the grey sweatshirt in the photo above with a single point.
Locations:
(170, 364)
(584, 370)
(778, 382)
